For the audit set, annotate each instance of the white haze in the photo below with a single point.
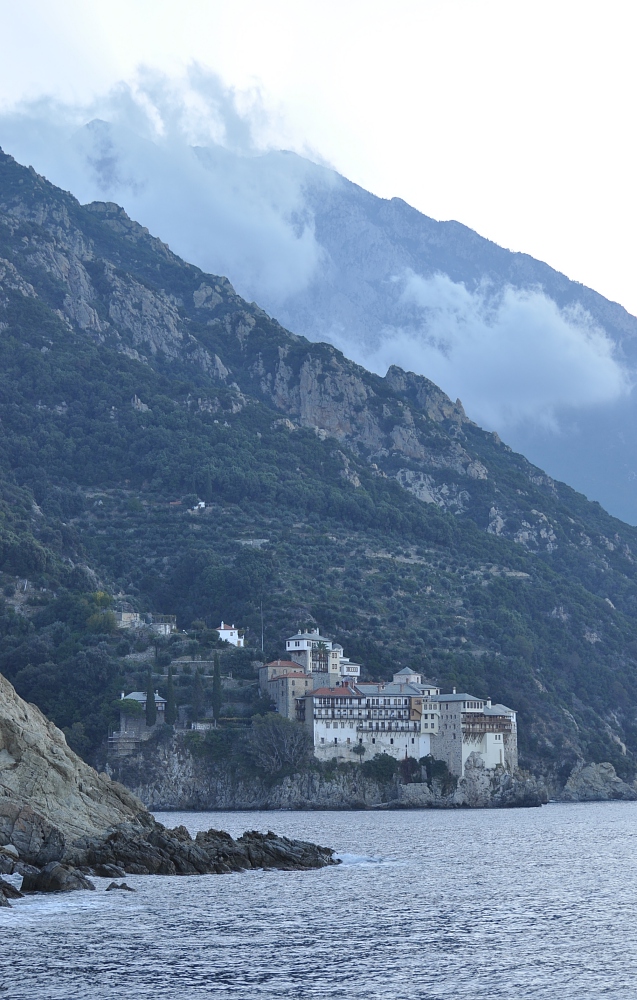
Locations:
(510, 355)
(184, 159)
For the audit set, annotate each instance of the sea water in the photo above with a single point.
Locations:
(428, 905)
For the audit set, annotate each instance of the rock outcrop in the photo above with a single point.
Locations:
(596, 783)
(58, 814)
(49, 798)
(167, 776)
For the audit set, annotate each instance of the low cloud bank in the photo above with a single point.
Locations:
(183, 158)
(512, 356)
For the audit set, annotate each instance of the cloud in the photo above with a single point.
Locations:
(512, 356)
(183, 157)
(188, 158)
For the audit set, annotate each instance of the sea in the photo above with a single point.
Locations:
(426, 905)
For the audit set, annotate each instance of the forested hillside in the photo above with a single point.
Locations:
(134, 385)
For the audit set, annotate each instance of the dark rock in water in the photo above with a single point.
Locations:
(3, 899)
(22, 868)
(109, 871)
(114, 885)
(56, 877)
(9, 890)
(6, 864)
(158, 851)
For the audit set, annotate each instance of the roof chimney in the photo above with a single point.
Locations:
(488, 703)
(453, 691)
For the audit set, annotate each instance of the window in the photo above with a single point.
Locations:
(391, 741)
(322, 739)
(373, 739)
(336, 739)
(413, 740)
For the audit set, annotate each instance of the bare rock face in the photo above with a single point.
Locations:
(55, 877)
(596, 783)
(49, 797)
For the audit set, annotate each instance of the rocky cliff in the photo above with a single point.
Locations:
(167, 776)
(49, 798)
(56, 811)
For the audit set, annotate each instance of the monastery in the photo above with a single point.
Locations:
(406, 717)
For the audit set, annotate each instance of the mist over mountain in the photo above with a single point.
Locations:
(544, 361)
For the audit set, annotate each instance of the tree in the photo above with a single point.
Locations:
(130, 707)
(216, 689)
(197, 697)
(359, 750)
(171, 706)
(275, 742)
(151, 707)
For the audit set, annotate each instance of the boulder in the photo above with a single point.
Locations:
(108, 871)
(56, 877)
(596, 783)
(114, 885)
(22, 868)
(9, 890)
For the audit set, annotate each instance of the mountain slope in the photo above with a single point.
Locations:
(543, 360)
(133, 383)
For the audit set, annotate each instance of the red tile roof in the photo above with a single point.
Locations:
(343, 691)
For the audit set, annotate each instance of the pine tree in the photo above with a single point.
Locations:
(216, 689)
(151, 707)
(171, 706)
(197, 697)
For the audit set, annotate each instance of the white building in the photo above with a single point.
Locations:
(473, 725)
(405, 717)
(128, 619)
(230, 634)
(320, 656)
(392, 718)
(163, 624)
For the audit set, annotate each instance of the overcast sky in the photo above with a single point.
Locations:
(513, 117)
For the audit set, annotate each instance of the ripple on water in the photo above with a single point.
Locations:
(427, 905)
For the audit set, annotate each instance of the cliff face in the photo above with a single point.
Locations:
(106, 276)
(49, 798)
(168, 776)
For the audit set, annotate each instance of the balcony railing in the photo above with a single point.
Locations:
(495, 724)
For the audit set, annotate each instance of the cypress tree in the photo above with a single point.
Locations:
(151, 707)
(198, 695)
(171, 706)
(216, 689)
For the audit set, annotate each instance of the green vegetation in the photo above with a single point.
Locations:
(96, 492)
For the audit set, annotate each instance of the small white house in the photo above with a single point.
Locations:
(230, 634)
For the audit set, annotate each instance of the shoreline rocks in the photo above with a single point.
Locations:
(160, 851)
(61, 821)
(596, 783)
